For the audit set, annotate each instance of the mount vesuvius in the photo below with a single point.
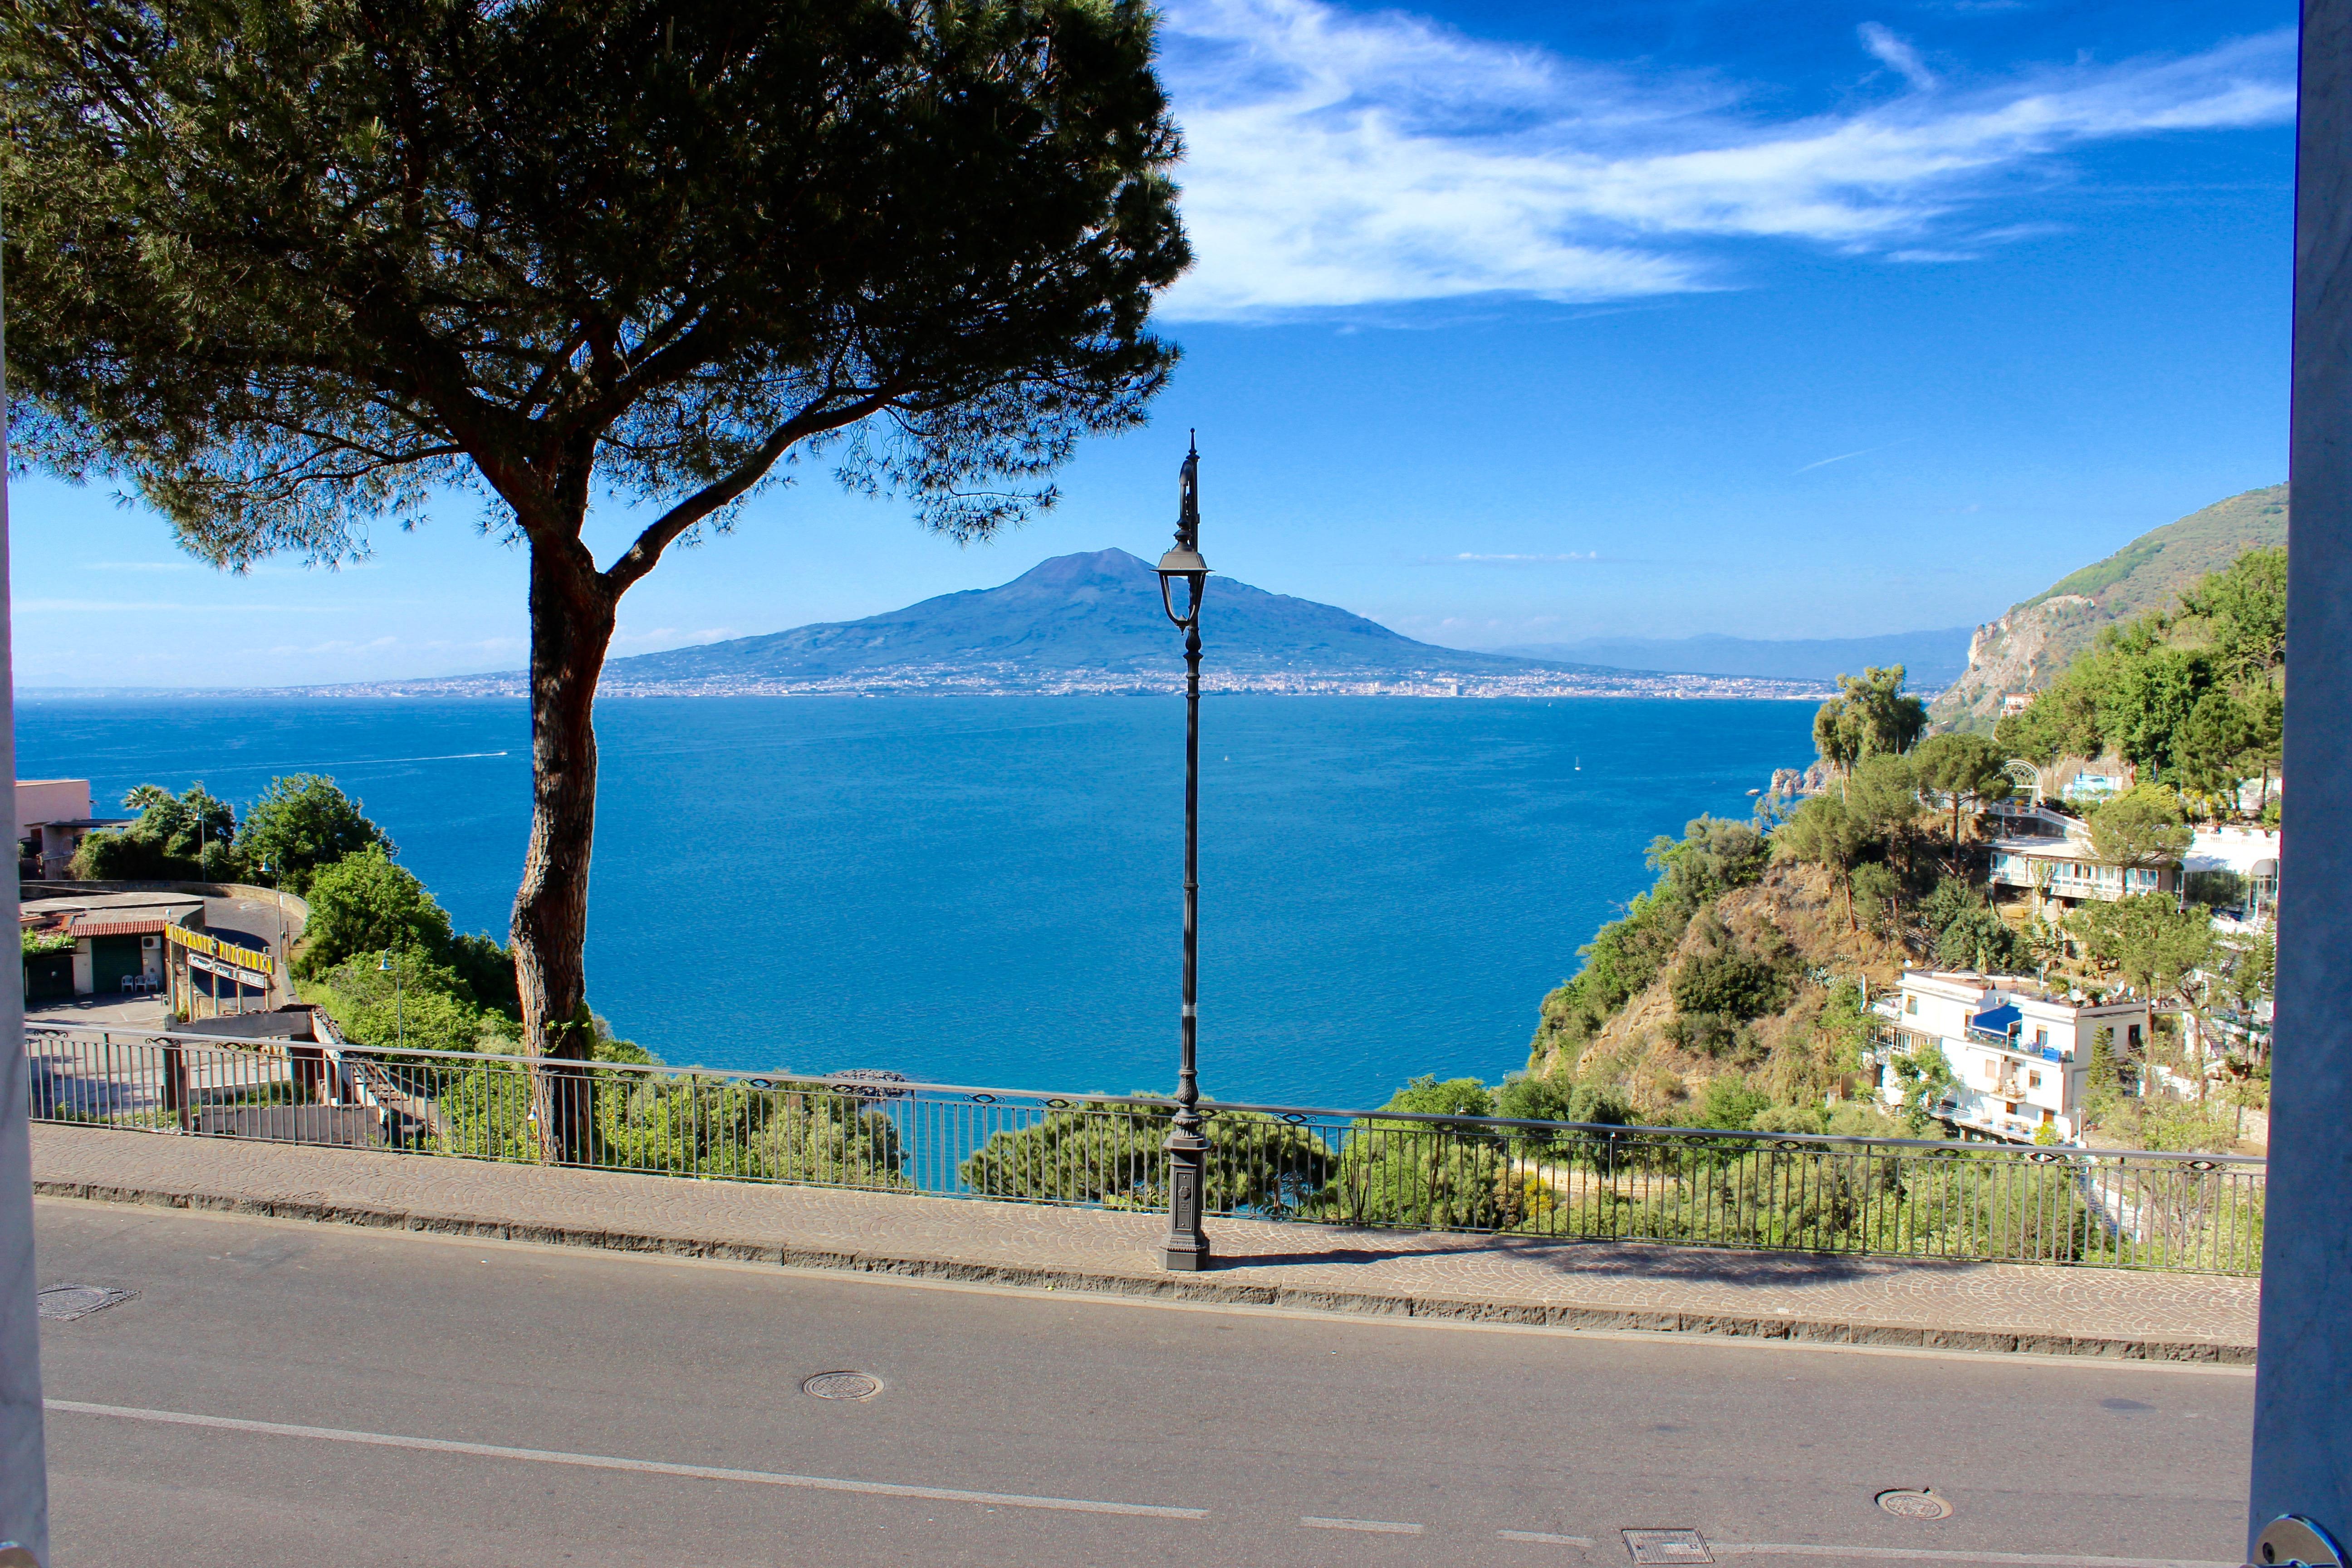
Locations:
(1094, 623)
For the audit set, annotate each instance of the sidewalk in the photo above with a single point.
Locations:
(1994, 1307)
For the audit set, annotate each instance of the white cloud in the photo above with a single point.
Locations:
(672, 637)
(1529, 560)
(110, 606)
(1897, 55)
(1341, 159)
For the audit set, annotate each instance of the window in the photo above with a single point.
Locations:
(1910, 1004)
(2033, 1080)
(2041, 1037)
(2010, 1106)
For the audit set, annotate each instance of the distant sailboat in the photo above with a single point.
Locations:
(1579, 764)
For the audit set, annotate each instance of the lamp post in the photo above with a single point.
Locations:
(1187, 1247)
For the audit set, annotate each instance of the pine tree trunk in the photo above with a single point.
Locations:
(571, 617)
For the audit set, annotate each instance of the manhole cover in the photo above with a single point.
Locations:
(1904, 1503)
(843, 1386)
(1667, 1546)
(65, 1303)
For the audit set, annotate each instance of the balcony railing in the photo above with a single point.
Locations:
(1536, 1179)
(2015, 1046)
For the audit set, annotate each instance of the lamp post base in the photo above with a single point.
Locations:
(1186, 1250)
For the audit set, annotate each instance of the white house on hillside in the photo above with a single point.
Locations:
(2022, 1053)
(2034, 847)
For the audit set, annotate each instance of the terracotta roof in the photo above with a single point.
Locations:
(118, 927)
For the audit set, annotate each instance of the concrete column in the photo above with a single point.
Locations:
(24, 1469)
(2303, 1394)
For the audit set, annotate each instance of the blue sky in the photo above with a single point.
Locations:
(1518, 322)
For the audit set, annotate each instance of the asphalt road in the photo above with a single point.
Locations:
(558, 1406)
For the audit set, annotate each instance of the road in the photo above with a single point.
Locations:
(548, 1406)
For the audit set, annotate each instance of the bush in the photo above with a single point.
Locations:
(415, 1003)
(301, 823)
(365, 904)
(185, 837)
(1115, 1154)
(1730, 1104)
(1731, 983)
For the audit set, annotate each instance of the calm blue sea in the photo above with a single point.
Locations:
(987, 890)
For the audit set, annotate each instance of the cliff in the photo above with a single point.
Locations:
(2024, 650)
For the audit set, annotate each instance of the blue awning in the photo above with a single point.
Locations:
(1998, 1021)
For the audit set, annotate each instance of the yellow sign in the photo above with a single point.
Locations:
(212, 947)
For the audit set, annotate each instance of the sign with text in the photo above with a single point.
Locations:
(197, 941)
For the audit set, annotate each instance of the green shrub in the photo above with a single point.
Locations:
(1115, 1154)
(365, 903)
(301, 823)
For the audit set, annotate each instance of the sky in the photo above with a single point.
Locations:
(1518, 322)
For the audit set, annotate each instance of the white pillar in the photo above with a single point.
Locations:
(2303, 1393)
(24, 1469)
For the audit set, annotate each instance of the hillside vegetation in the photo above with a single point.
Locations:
(1732, 993)
(2037, 638)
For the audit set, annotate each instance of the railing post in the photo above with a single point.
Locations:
(2303, 1441)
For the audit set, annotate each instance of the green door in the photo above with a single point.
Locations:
(111, 958)
(50, 976)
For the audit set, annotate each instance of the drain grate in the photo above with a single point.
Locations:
(843, 1386)
(64, 1303)
(1667, 1546)
(1906, 1502)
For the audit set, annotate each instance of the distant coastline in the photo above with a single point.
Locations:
(984, 681)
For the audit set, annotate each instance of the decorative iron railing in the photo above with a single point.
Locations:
(1903, 1197)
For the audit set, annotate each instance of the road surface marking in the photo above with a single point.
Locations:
(1936, 1554)
(1377, 1526)
(1546, 1539)
(607, 1462)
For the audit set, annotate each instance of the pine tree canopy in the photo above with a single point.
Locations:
(286, 268)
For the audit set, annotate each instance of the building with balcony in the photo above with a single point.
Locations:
(2020, 1054)
(2036, 849)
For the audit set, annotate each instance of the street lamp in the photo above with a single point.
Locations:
(399, 1024)
(1187, 1247)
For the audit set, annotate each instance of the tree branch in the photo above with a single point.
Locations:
(647, 553)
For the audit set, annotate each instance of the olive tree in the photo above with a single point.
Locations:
(288, 271)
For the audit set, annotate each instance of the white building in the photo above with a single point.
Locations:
(2020, 1054)
(2035, 847)
(2251, 855)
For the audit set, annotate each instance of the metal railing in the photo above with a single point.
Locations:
(1562, 1181)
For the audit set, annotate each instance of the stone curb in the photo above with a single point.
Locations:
(1354, 1303)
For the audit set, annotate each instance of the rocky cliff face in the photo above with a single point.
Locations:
(2023, 651)
(2018, 653)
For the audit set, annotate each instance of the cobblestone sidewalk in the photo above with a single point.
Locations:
(1994, 1307)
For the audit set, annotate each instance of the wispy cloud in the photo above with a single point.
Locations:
(1897, 55)
(116, 606)
(672, 637)
(1841, 457)
(1345, 159)
(1525, 559)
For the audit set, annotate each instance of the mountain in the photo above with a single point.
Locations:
(2026, 648)
(1094, 623)
(1932, 659)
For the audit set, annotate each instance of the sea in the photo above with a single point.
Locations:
(987, 891)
